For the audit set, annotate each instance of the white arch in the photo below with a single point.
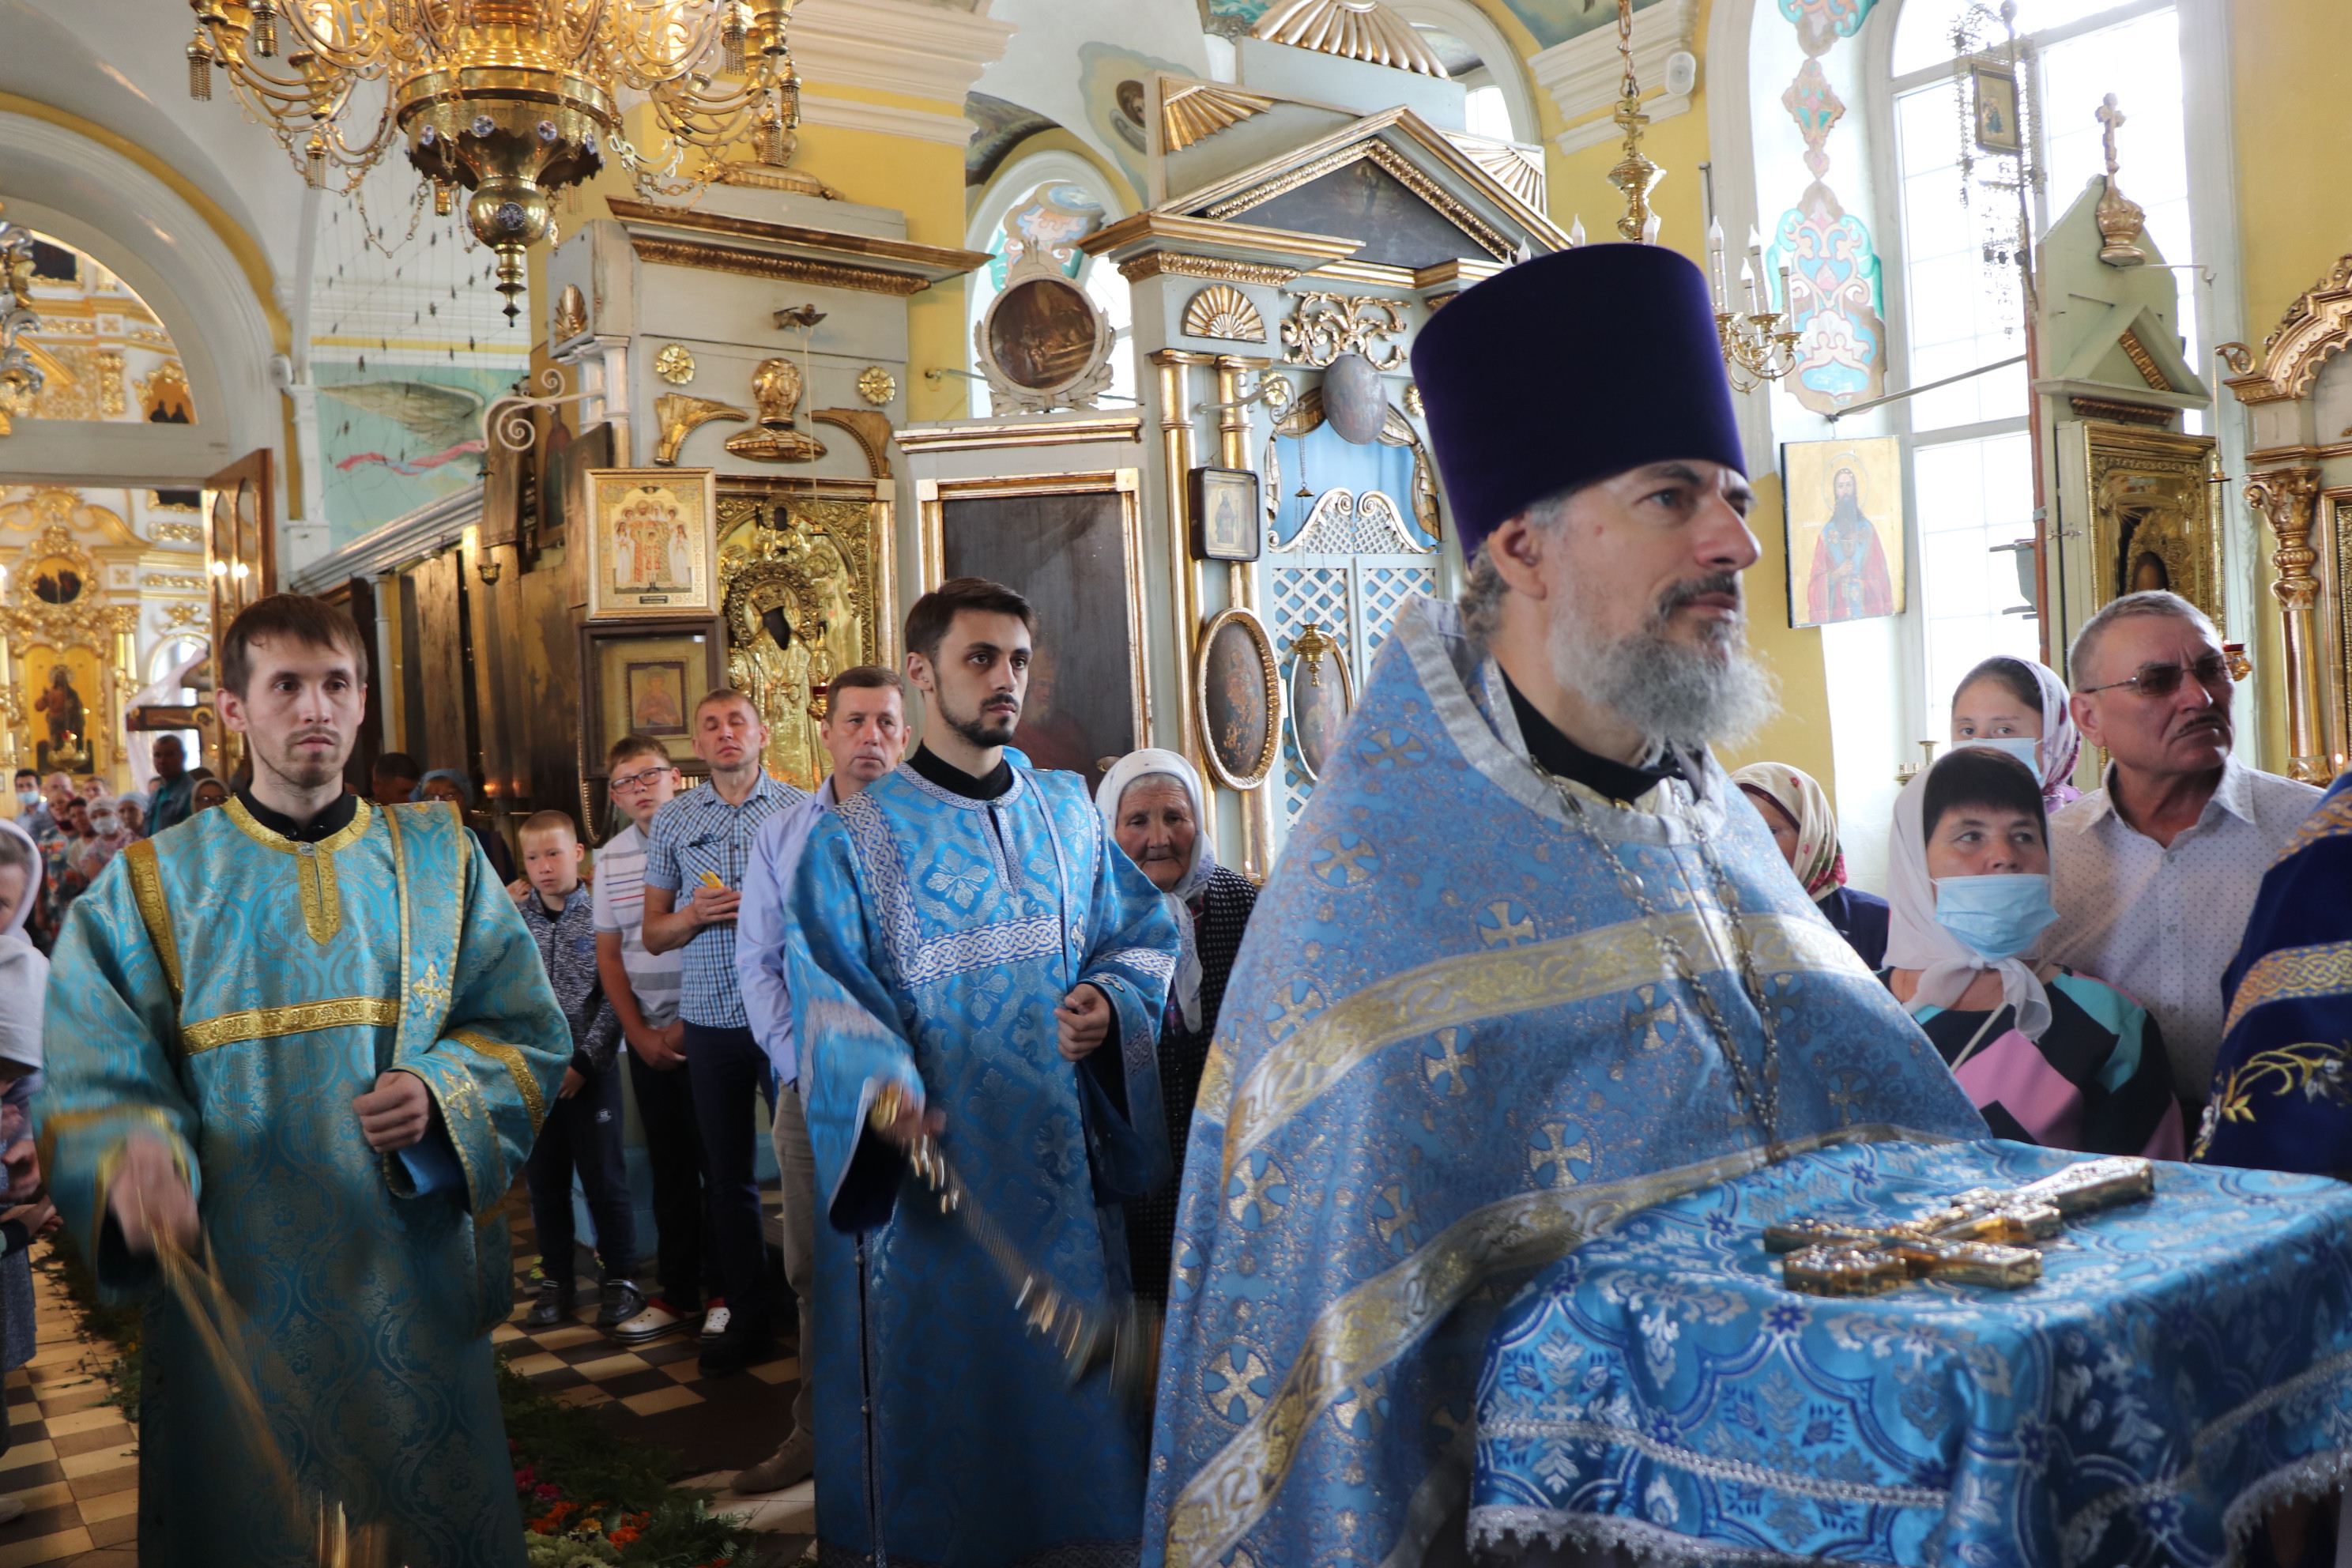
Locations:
(1023, 175)
(1467, 22)
(114, 209)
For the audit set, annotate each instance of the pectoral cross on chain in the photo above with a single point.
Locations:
(1980, 1237)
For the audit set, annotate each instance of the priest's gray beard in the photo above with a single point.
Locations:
(1676, 693)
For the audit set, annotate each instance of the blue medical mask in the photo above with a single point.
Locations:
(1998, 916)
(26, 799)
(2023, 748)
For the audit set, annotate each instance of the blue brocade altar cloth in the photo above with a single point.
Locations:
(2183, 1364)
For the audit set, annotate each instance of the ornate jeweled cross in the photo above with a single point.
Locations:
(1980, 1237)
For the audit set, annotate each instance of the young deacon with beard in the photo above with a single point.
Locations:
(965, 936)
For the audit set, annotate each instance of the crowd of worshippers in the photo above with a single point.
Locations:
(944, 954)
(2066, 952)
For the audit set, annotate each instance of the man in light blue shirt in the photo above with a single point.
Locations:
(864, 732)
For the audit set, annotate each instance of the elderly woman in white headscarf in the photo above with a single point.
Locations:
(1151, 801)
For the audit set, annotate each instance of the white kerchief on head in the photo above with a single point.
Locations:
(14, 925)
(1195, 877)
(1916, 939)
(24, 973)
(2061, 743)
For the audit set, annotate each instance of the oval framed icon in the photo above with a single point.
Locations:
(1237, 699)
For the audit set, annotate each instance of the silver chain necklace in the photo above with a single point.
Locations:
(1758, 1093)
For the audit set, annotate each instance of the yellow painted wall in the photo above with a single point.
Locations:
(2290, 80)
(2292, 77)
(1801, 735)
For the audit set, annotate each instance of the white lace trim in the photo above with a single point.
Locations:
(1738, 1471)
(1497, 1527)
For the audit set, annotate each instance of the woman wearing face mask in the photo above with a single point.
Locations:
(1151, 802)
(2017, 706)
(107, 838)
(2049, 1056)
(1797, 810)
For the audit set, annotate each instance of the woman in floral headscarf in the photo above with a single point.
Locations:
(1797, 810)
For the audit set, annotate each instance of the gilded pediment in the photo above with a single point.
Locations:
(1410, 195)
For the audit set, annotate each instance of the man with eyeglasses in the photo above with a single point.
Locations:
(2155, 873)
(643, 987)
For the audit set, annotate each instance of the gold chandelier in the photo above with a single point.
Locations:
(511, 100)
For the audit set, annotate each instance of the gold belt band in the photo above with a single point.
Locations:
(269, 1023)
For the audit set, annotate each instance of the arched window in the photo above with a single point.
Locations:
(1052, 200)
(1971, 452)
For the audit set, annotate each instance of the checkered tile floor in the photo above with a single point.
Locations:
(74, 1461)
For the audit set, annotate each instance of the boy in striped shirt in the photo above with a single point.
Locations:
(644, 990)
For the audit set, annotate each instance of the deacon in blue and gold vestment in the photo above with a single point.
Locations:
(939, 917)
(1505, 988)
(228, 989)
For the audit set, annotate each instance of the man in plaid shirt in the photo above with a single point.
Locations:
(700, 842)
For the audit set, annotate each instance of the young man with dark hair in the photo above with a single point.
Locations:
(700, 842)
(643, 988)
(583, 1131)
(864, 734)
(307, 1038)
(392, 780)
(966, 941)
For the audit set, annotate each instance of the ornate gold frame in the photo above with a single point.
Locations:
(766, 527)
(931, 496)
(107, 629)
(2160, 485)
(1270, 680)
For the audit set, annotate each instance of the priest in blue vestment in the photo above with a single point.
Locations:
(967, 936)
(2282, 1096)
(308, 1040)
(1529, 962)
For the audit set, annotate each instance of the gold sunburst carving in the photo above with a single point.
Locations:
(1222, 310)
(1200, 109)
(1352, 29)
(1518, 169)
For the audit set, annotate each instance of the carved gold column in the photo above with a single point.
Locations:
(1184, 572)
(2285, 498)
(1233, 452)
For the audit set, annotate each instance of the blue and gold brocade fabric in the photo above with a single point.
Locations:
(2281, 1092)
(2182, 1365)
(230, 992)
(1452, 1051)
(933, 936)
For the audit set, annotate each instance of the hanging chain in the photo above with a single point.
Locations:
(1759, 1093)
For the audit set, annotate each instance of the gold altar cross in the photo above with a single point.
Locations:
(2111, 118)
(1978, 1237)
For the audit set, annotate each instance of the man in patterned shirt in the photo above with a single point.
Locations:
(701, 842)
